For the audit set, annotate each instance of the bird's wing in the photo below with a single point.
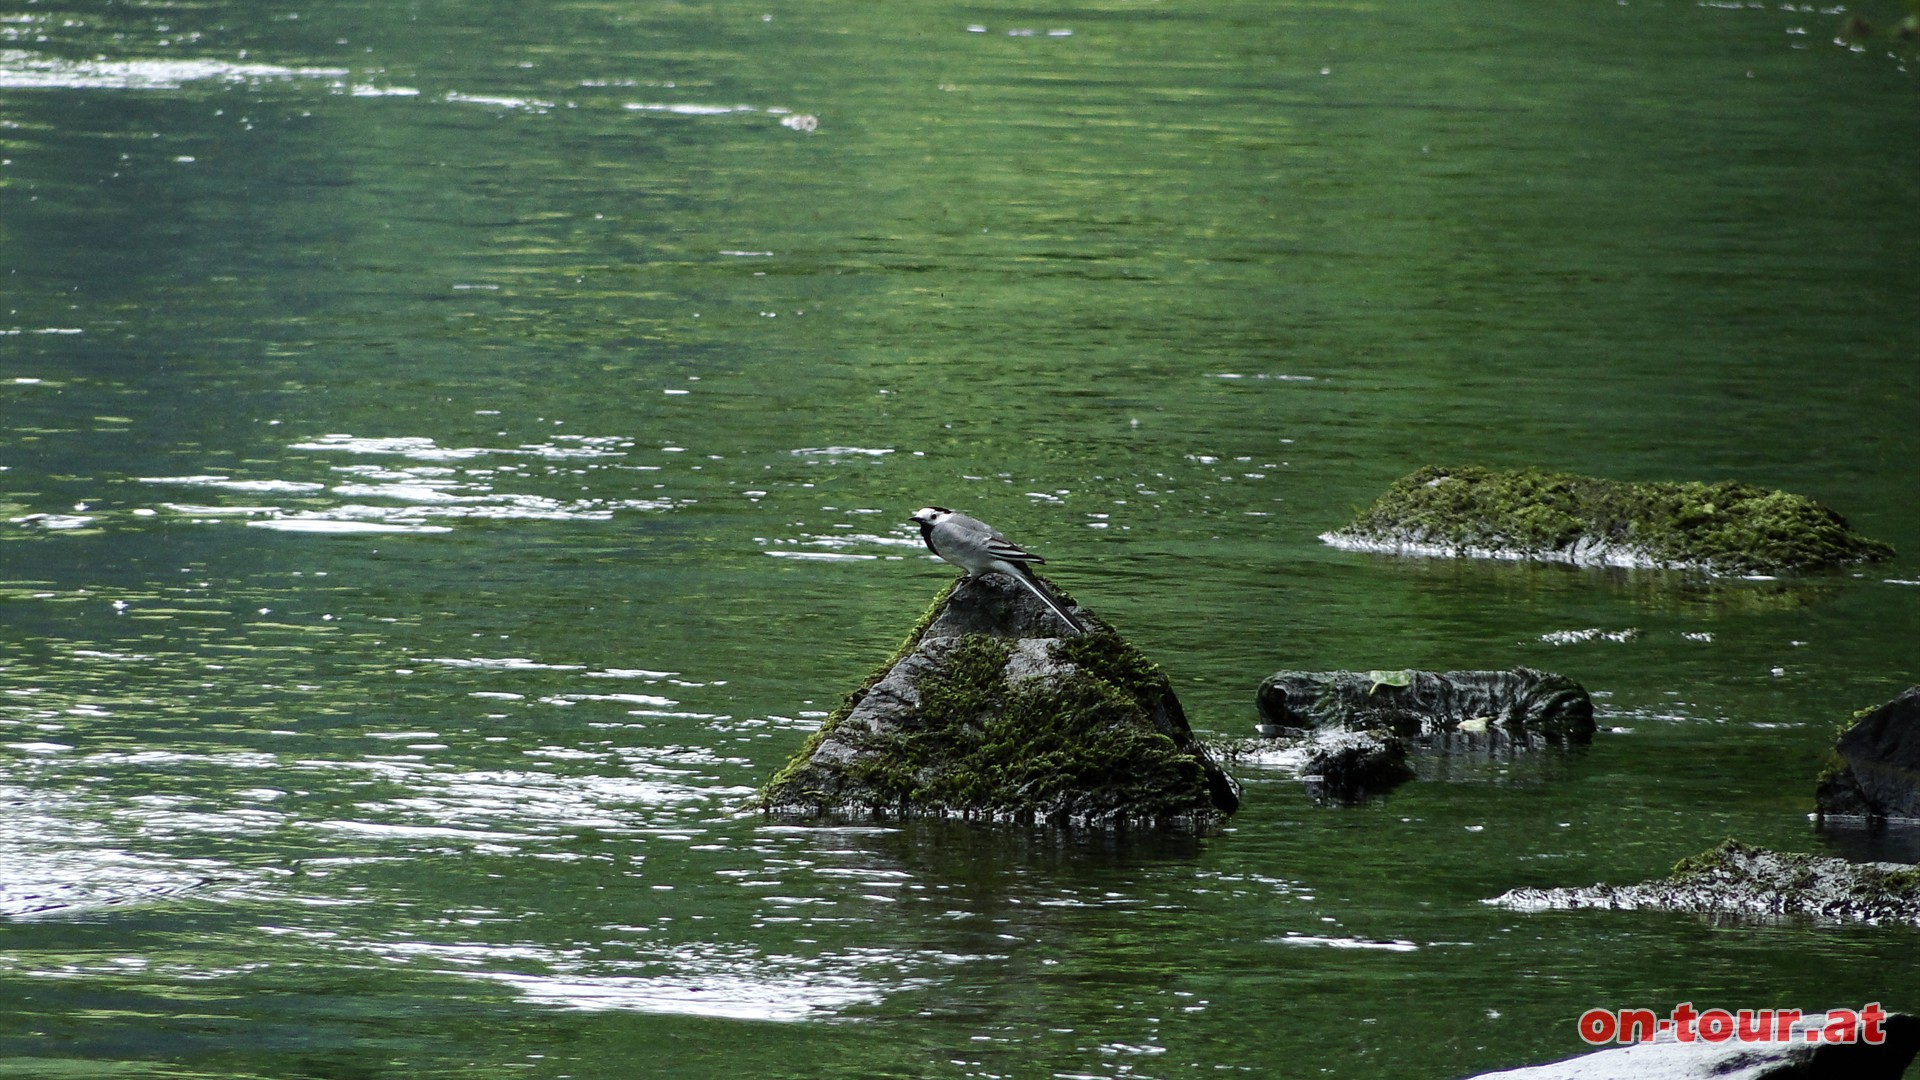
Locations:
(996, 545)
(1002, 548)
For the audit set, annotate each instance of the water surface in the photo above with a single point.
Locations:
(452, 454)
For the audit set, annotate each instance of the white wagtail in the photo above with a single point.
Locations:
(978, 548)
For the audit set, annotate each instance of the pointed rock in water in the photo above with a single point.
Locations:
(1878, 772)
(987, 713)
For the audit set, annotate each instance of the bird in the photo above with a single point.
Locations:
(978, 548)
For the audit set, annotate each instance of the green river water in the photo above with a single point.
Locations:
(451, 454)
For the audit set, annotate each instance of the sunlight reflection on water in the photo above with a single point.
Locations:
(427, 494)
(20, 69)
(54, 860)
(731, 982)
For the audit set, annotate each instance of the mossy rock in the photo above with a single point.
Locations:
(1735, 879)
(975, 718)
(1522, 706)
(1727, 527)
(1874, 769)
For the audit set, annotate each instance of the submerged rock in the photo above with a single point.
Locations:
(1877, 774)
(1353, 730)
(1734, 879)
(1792, 1057)
(985, 714)
(1727, 527)
(1353, 766)
(1336, 765)
(1520, 705)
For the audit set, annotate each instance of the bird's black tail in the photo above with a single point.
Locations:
(1026, 578)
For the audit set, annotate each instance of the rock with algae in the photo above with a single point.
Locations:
(1521, 705)
(1740, 881)
(1353, 730)
(1350, 767)
(985, 714)
(1726, 527)
(1876, 768)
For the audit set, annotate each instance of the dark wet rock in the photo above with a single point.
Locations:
(1791, 1058)
(1519, 705)
(1354, 730)
(1876, 773)
(1726, 527)
(1837, 793)
(1737, 880)
(1337, 766)
(1353, 766)
(984, 713)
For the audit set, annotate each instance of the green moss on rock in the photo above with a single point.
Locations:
(1735, 879)
(986, 745)
(1083, 729)
(1873, 770)
(785, 778)
(1726, 527)
(1733, 863)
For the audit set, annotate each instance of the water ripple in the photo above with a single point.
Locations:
(419, 448)
(20, 69)
(418, 498)
(54, 860)
(721, 981)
